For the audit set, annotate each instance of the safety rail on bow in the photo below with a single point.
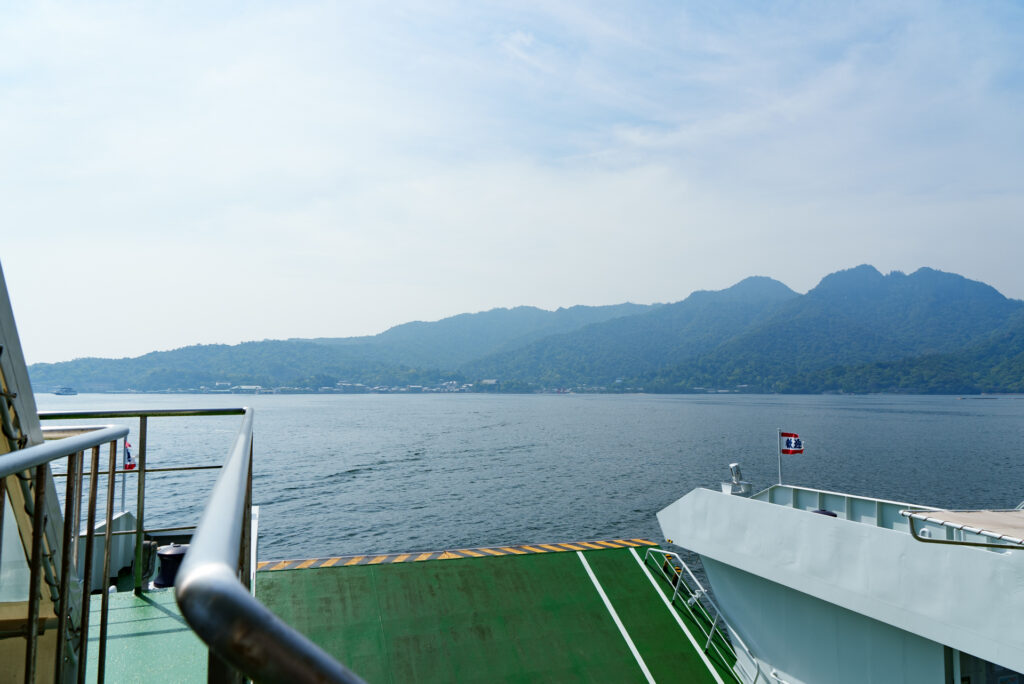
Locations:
(28, 470)
(213, 587)
(691, 596)
(142, 468)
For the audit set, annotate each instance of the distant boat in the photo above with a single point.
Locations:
(65, 391)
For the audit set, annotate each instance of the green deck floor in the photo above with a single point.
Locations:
(528, 618)
(147, 640)
(515, 618)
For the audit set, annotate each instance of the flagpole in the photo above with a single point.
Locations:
(780, 454)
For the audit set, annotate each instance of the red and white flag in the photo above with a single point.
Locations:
(129, 462)
(790, 443)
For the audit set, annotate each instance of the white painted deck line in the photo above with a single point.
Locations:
(615, 616)
(679, 620)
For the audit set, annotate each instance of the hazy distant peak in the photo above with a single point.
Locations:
(752, 289)
(583, 308)
(498, 311)
(865, 284)
(935, 275)
(857, 279)
(953, 284)
(760, 287)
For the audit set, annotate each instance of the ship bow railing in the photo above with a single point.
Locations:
(690, 596)
(213, 588)
(26, 479)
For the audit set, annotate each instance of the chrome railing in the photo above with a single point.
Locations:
(213, 591)
(213, 586)
(701, 608)
(31, 465)
(142, 469)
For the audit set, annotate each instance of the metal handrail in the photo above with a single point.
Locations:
(237, 628)
(179, 469)
(40, 454)
(143, 415)
(697, 598)
(37, 458)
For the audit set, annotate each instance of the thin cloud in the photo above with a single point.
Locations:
(350, 167)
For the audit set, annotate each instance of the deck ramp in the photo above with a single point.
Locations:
(516, 618)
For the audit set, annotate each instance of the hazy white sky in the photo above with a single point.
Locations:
(198, 172)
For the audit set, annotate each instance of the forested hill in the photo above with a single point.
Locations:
(860, 331)
(453, 342)
(625, 348)
(857, 331)
(414, 353)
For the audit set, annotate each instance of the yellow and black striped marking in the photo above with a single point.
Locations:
(371, 559)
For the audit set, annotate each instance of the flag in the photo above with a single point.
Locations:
(129, 462)
(790, 443)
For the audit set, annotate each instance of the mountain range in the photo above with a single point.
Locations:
(857, 331)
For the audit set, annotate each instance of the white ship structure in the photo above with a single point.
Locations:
(828, 587)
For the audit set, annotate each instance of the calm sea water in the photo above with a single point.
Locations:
(339, 474)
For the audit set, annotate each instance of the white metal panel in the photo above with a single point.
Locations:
(807, 640)
(122, 549)
(880, 573)
(14, 577)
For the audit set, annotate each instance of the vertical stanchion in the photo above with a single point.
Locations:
(76, 532)
(105, 599)
(90, 534)
(246, 559)
(63, 609)
(35, 568)
(139, 506)
(124, 477)
(3, 508)
(711, 633)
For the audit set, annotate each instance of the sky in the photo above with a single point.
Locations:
(215, 172)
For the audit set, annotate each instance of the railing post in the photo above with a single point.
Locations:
(711, 632)
(76, 531)
(3, 509)
(63, 609)
(90, 535)
(139, 506)
(246, 559)
(35, 568)
(105, 599)
(124, 481)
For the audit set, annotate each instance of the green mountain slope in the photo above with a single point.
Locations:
(269, 363)
(850, 319)
(627, 347)
(995, 364)
(857, 331)
(455, 341)
(413, 353)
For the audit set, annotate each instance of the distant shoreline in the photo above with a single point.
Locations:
(580, 392)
